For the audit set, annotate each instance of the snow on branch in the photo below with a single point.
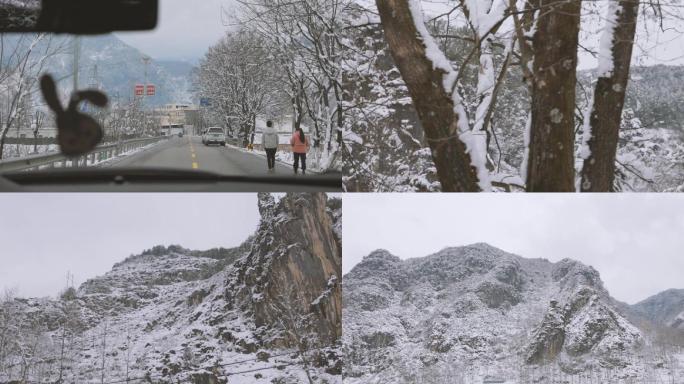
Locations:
(475, 142)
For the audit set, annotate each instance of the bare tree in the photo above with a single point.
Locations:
(22, 59)
(237, 74)
(8, 328)
(128, 353)
(30, 341)
(297, 326)
(306, 38)
(104, 351)
(38, 120)
(71, 326)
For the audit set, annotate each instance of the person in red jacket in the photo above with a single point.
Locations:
(300, 146)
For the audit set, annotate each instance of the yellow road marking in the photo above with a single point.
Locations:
(195, 165)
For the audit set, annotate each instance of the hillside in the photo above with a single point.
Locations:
(469, 312)
(664, 308)
(267, 311)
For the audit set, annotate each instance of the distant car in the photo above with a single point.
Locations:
(214, 135)
(180, 134)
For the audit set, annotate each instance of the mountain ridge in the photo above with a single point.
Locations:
(477, 309)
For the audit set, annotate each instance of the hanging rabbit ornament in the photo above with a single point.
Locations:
(77, 133)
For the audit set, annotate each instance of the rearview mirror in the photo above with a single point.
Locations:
(77, 16)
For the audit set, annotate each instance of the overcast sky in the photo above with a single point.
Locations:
(186, 29)
(635, 241)
(654, 43)
(42, 236)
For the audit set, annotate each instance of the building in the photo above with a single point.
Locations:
(177, 118)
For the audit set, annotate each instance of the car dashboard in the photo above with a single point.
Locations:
(161, 180)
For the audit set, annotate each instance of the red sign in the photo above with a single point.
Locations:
(139, 89)
(151, 90)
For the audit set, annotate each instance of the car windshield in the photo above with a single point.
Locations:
(204, 70)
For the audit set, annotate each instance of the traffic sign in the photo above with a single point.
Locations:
(205, 102)
(151, 90)
(139, 90)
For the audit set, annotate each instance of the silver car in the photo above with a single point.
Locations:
(214, 135)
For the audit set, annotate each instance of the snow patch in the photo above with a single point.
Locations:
(605, 49)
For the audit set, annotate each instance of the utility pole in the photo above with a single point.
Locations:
(77, 57)
(146, 60)
(93, 83)
(94, 78)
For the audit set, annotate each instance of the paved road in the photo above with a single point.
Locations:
(189, 153)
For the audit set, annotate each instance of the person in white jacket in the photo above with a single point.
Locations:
(270, 141)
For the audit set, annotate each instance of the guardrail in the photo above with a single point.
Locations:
(31, 140)
(57, 160)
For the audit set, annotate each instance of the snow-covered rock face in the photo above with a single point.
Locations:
(584, 329)
(572, 275)
(478, 310)
(178, 315)
(140, 280)
(296, 260)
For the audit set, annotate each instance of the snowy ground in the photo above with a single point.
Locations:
(315, 162)
(17, 151)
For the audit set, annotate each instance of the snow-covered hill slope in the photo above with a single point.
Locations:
(664, 308)
(267, 311)
(469, 312)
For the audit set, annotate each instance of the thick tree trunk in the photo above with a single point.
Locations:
(434, 105)
(252, 131)
(600, 147)
(550, 166)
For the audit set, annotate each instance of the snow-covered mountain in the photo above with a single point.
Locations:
(665, 308)
(266, 311)
(120, 66)
(110, 64)
(469, 312)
